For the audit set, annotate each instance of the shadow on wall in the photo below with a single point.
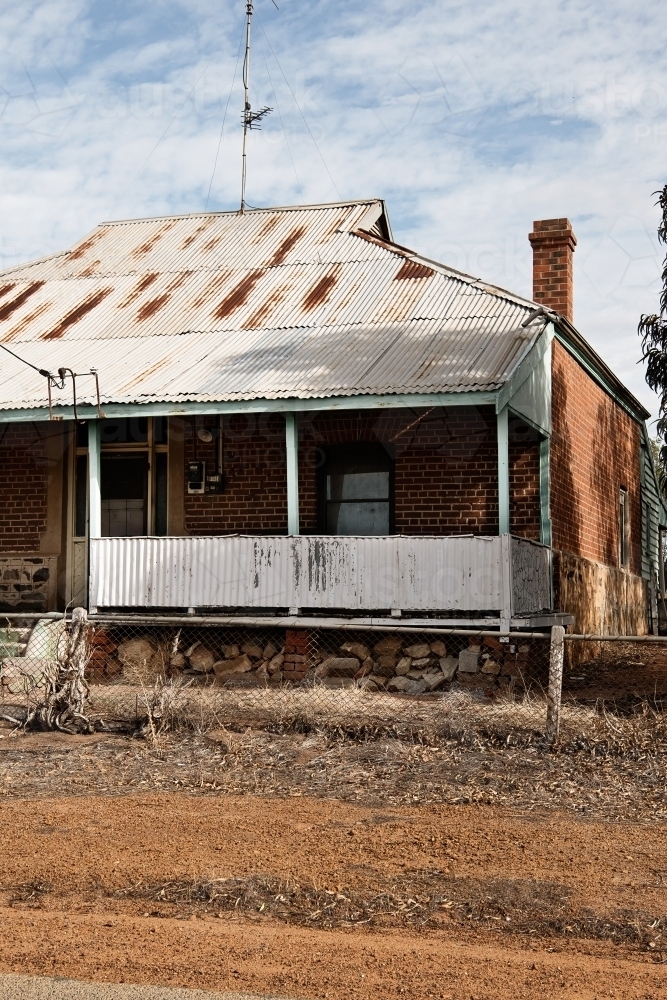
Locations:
(609, 447)
(565, 502)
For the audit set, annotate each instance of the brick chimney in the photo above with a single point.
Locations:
(553, 243)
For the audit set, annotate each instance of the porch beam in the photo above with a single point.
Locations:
(545, 504)
(329, 403)
(94, 481)
(292, 447)
(503, 473)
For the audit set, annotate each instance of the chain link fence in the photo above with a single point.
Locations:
(250, 667)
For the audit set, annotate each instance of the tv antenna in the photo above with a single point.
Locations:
(251, 119)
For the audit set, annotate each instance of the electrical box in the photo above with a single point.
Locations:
(215, 483)
(197, 477)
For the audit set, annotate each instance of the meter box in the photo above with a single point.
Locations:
(196, 477)
(215, 483)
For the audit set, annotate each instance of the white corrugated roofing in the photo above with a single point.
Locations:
(276, 303)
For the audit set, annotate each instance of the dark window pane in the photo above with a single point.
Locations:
(82, 434)
(124, 489)
(125, 430)
(161, 494)
(80, 495)
(356, 488)
(160, 425)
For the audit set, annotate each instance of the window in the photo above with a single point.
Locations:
(356, 488)
(623, 526)
(124, 494)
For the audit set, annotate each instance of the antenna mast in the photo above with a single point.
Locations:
(251, 119)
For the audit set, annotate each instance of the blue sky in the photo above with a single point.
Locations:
(471, 120)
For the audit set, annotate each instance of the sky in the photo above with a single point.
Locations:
(470, 120)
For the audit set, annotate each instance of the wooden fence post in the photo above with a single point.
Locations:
(554, 695)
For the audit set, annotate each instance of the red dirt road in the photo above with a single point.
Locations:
(80, 880)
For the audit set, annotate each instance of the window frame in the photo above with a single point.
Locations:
(623, 529)
(332, 455)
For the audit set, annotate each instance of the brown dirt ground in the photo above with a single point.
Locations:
(228, 891)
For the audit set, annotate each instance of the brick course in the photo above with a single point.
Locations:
(595, 450)
(23, 488)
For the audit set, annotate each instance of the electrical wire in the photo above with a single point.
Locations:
(42, 371)
(299, 108)
(282, 124)
(224, 118)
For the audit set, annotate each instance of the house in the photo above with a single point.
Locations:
(285, 412)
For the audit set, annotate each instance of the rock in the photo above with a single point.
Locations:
(421, 661)
(390, 645)
(368, 685)
(365, 669)
(403, 665)
(469, 660)
(438, 648)
(177, 661)
(252, 650)
(135, 652)
(434, 680)
(112, 667)
(386, 666)
(262, 673)
(276, 677)
(236, 665)
(415, 687)
(230, 652)
(511, 668)
(276, 662)
(398, 684)
(355, 649)
(379, 681)
(491, 667)
(338, 666)
(269, 651)
(201, 660)
(415, 675)
(449, 665)
(191, 649)
(418, 650)
(336, 682)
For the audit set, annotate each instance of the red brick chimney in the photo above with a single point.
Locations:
(553, 243)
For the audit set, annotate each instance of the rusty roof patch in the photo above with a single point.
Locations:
(90, 269)
(261, 313)
(238, 295)
(148, 244)
(189, 240)
(320, 292)
(23, 296)
(145, 374)
(6, 289)
(22, 324)
(152, 306)
(74, 315)
(413, 269)
(86, 245)
(145, 282)
(211, 288)
(286, 245)
(213, 242)
(268, 226)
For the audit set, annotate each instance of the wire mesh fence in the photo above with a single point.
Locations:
(252, 671)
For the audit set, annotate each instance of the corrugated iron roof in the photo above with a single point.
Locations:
(275, 303)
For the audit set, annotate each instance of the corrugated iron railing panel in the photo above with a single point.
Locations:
(531, 576)
(461, 573)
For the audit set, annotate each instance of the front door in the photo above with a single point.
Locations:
(124, 489)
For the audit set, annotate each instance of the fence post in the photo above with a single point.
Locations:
(556, 657)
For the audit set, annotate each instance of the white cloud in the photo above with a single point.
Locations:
(472, 120)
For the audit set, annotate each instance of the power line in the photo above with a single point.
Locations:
(224, 118)
(298, 182)
(42, 371)
(299, 108)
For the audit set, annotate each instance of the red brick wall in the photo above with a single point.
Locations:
(23, 488)
(595, 449)
(524, 463)
(255, 499)
(446, 478)
(446, 472)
